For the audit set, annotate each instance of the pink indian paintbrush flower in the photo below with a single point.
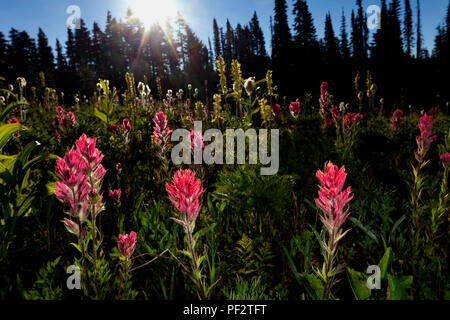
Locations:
(336, 114)
(276, 110)
(291, 127)
(425, 139)
(81, 177)
(12, 120)
(64, 119)
(115, 195)
(328, 122)
(113, 128)
(295, 109)
(397, 121)
(196, 139)
(332, 198)
(127, 244)
(445, 158)
(126, 130)
(161, 132)
(71, 226)
(184, 192)
(435, 111)
(351, 119)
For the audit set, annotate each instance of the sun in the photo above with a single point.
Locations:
(152, 12)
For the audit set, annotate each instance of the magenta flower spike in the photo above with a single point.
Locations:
(184, 192)
(445, 158)
(425, 139)
(161, 132)
(81, 176)
(127, 244)
(115, 195)
(332, 198)
(397, 121)
(295, 109)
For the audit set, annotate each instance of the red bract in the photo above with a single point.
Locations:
(435, 111)
(323, 88)
(161, 132)
(64, 119)
(12, 120)
(126, 130)
(127, 244)
(196, 139)
(81, 177)
(113, 128)
(332, 199)
(71, 226)
(445, 158)
(295, 109)
(336, 115)
(91, 154)
(425, 139)
(351, 119)
(115, 195)
(184, 193)
(276, 110)
(397, 121)
(73, 189)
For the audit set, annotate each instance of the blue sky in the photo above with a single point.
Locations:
(51, 15)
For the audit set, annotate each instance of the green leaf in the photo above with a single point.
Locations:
(359, 286)
(292, 265)
(100, 115)
(397, 223)
(36, 160)
(7, 130)
(204, 231)
(10, 92)
(26, 204)
(385, 263)
(369, 233)
(11, 106)
(210, 205)
(397, 289)
(406, 281)
(313, 286)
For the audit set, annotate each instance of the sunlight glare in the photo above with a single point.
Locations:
(152, 11)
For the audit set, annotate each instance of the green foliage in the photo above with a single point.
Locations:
(252, 289)
(260, 199)
(396, 285)
(254, 259)
(46, 287)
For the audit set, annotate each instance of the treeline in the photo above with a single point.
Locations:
(172, 52)
(403, 70)
(301, 60)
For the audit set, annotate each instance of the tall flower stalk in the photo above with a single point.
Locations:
(81, 175)
(424, 142)
(185, 192)
(332, 202)
(161, 133)
(126, 246)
